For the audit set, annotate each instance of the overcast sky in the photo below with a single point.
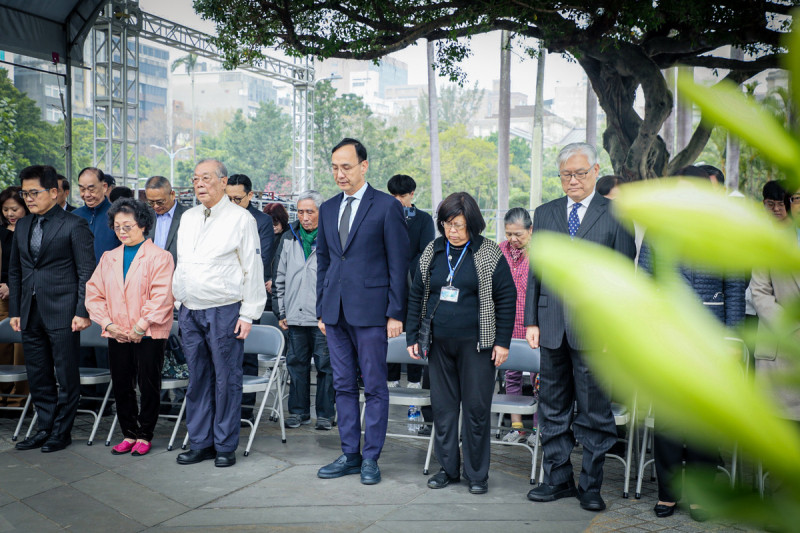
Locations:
(483, 65)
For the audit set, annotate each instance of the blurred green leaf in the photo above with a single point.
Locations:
(725, 105)
(706, 228)
(664, 345)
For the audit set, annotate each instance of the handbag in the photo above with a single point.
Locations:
(175, 366)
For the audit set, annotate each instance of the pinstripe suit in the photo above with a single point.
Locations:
(46, 294)
(564, 377)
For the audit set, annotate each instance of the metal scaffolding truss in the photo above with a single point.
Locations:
(116, 85)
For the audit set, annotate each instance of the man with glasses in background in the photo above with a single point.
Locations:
(240, 191)
(51, 261)
(564, 376)
(219, 283)
(161, 198)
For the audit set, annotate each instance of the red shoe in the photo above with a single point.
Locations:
(123, 447)
(140, 448)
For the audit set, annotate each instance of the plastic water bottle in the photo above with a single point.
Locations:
(414, 419)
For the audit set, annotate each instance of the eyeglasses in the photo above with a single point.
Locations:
(126, 229)
(154, 203)
(33, 193)
(205, 179)
(773, 204)
(453, 225)
(566, 177)
(90, 189)
(794, 199)
(237, 199)
(344, 168)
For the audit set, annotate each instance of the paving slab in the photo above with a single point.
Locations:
(131, 499)
(473, 526)
(272, 516)
(17, 516)
(20, 479)
(72, 509)
(65, 465)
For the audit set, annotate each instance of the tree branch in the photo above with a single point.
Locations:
(762, 63)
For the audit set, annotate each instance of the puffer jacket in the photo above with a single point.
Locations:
(295, 283)
(722, 295)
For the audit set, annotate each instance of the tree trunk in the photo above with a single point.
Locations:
(591, 114)
(668, 131)
(433, 121)
(685, 115)
(732, 151)
(537, 137)
(503, 127)
(194, 140)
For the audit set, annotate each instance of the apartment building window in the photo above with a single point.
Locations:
(51, 91)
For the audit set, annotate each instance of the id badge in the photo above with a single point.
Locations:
(449, 294)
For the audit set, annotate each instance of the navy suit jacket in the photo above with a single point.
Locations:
(368, 278)
(543, 307)
(267, 236)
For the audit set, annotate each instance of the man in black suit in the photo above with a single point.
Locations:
(52, 258)
(240, 191)
(63, 194)
(161, 198)
(564, 376)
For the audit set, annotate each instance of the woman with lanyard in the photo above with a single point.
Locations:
(464, 283)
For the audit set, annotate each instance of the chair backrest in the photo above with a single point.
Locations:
(268, 318)
(521, 357)
(8, 335)
(263, 339)
(398, 353)
(91, 337)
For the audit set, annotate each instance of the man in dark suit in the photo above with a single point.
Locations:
(161, 198)
(362, 271)
(52, 258)
(564, 376)
(63, 194)
(240, 191)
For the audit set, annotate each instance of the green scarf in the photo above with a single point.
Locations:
(307, 238)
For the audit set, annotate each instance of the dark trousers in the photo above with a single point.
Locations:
(414, 372)
(214, 356)
(462, 379)
(131, 365)
(668, 455)
(351, 348)
(308, 342)
(427, 410)
(564, 379)
(55, 394)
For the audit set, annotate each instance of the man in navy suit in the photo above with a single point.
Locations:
(362, 270)
(564, 377)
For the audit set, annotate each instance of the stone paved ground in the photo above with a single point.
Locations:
(85, 488)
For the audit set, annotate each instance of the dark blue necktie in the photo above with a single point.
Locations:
(573, 222)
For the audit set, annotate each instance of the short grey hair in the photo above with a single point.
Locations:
(573, 149)
(219, 168)
(518, 215)
(311, 195)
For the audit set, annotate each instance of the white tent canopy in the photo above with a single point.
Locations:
(47, 29)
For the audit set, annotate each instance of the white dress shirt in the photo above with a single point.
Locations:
(358, 195)
(582, 209)
(219, 260)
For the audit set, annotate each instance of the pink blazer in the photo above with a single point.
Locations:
(144, 297)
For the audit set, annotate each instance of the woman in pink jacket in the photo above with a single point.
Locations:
(130, 297)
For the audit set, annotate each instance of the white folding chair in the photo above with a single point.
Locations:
(522, 358)
(266, 341)
(625, 417)
(398, 354)
(13, 373)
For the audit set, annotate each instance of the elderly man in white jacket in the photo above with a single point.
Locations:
(219, 284)
(296, 294)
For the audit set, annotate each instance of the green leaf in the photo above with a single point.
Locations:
(725, 105)
(665, 346)
(706, 228)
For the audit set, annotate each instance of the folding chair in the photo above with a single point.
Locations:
(166, 384)
(624, 417)
(397, 353)
(524, 359)
(267, 341)
(12, 373)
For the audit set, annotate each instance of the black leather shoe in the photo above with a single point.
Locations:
(340, 467)
(479, 487)
(591, 501)
(36, 441)
(663, 511)
(225, 459)
(549, 493)
(440, 480)
(197, 456)
(370, 473)
(55, 444)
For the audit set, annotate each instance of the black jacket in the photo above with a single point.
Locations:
(420, 232)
